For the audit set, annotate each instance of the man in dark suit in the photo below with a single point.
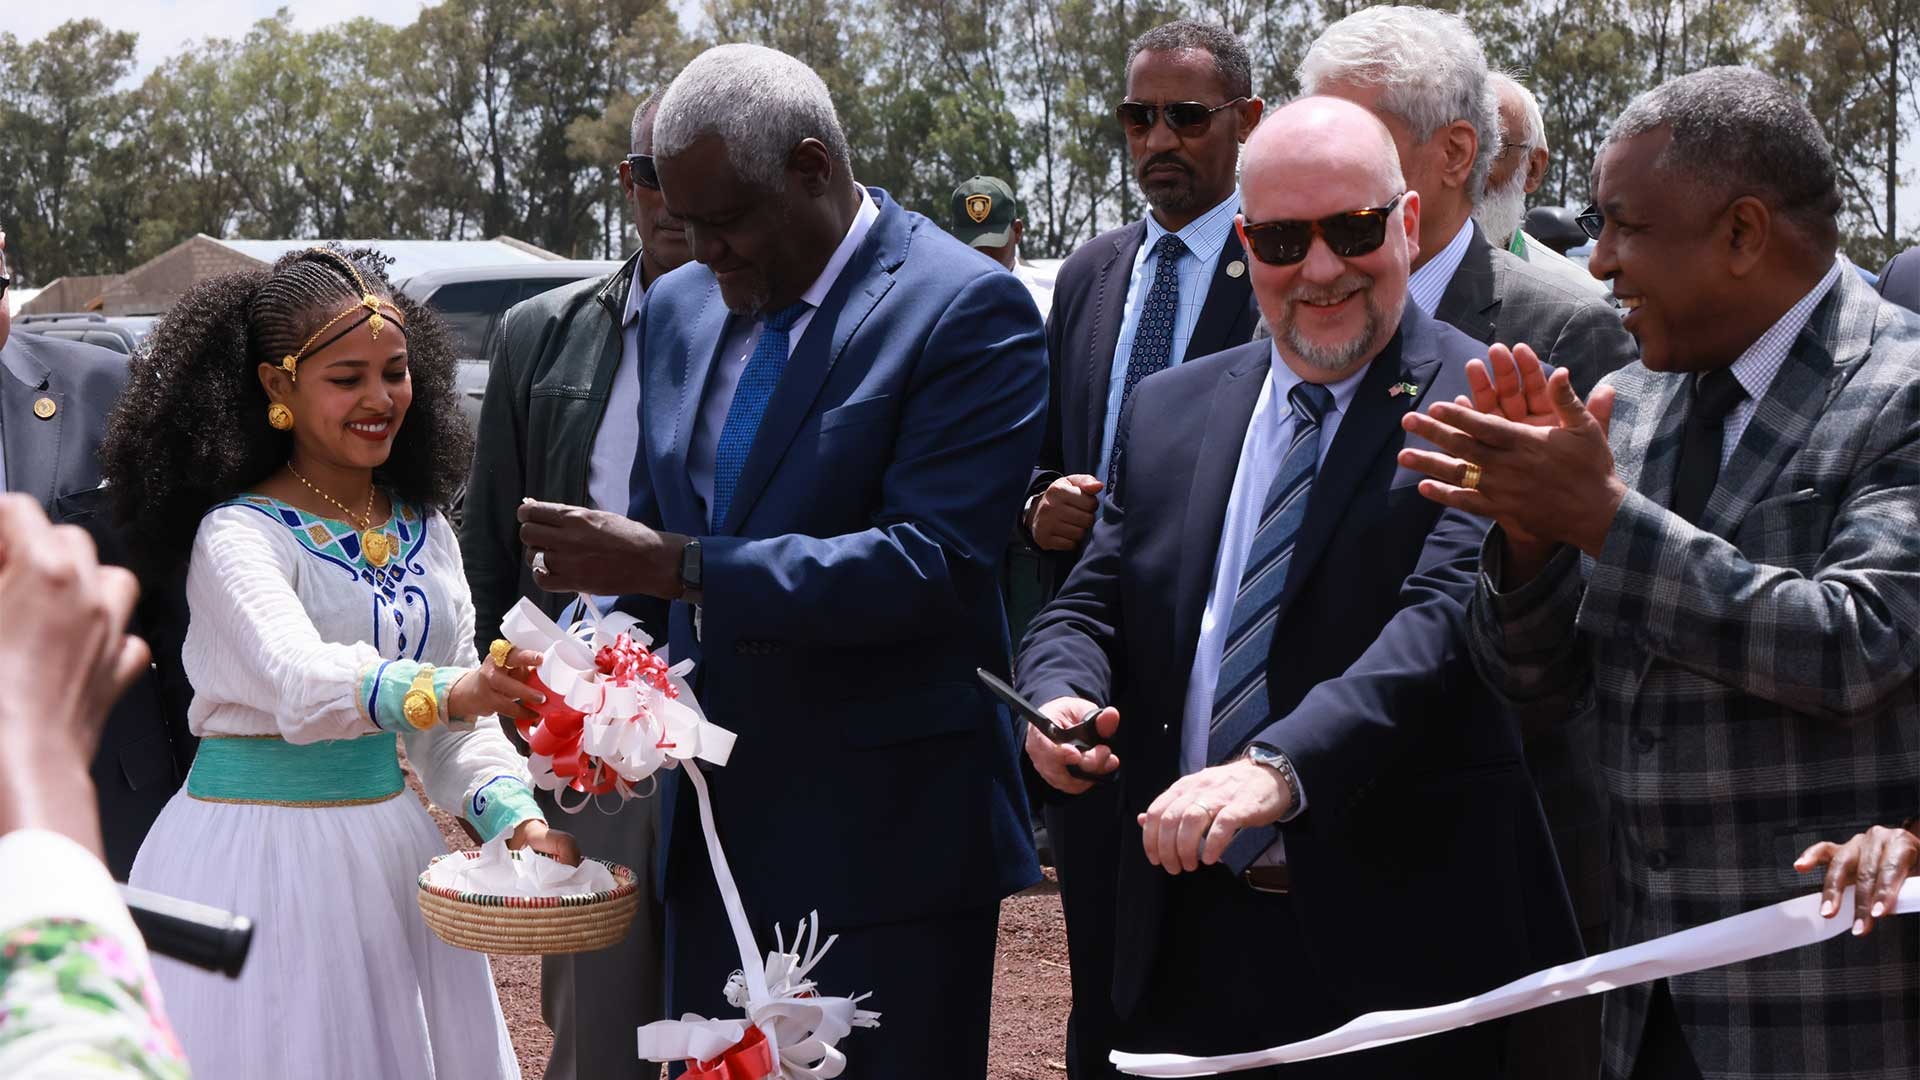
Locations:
(1900, 279)
(561, 422)
(54, 400)
(1280, 625)
(842, 406)
(1180, 269)
(1424, 74)
(1722, 554)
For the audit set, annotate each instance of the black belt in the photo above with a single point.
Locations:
(1268, 879)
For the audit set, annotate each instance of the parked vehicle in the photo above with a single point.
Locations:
(121, 333)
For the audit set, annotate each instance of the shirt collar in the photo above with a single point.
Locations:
(863, 220)
(635, 292)
(1426, 285)
(1204, 235)
(1761, 362)
(1283, 379)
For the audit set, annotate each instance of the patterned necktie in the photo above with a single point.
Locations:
(1153, 334)
(1701, 441)
(1240, 697)
(750, 399)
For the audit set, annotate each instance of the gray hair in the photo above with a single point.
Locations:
(760, 102)
(635, 143)
(1430, 67)
(1231, 63)
(1535, 136)
(1736, 131)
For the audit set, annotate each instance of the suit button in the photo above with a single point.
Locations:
(1643, 740)
(1657, 859)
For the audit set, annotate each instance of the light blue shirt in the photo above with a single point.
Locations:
(1204, 237)
(1428, 284)
(1756, 368)
(1262, 450)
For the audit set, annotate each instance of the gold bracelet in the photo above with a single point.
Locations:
(420, 706)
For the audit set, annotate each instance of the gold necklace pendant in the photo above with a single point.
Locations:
(376, 546)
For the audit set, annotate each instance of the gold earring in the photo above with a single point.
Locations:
(279, 417)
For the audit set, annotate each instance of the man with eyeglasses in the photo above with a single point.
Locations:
(561, 422)
(1519, 166)
(1327, 815)
(1146, 296)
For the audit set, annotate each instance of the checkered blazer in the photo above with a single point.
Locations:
(1757, 681)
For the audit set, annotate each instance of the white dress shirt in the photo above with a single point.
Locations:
(733, 357)
(1262, 450)
(1756, 368)
(617, 440)
(1428, 284)
(1204, 236)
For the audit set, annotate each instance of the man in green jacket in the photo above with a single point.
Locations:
(561, 423)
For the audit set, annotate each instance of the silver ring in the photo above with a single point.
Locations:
(1202, 805)
(539, 562)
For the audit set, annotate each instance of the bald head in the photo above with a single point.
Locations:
(1322, 136)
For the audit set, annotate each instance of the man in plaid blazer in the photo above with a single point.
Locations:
(1721, 550)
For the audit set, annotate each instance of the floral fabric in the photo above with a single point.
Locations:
(75, 1003)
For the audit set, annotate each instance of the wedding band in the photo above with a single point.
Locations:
(499, 651)
(1471, 480)
(539, 562)
(1210, 811)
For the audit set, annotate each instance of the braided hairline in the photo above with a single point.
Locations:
(367, 303)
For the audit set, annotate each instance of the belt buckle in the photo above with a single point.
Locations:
(1273, 880)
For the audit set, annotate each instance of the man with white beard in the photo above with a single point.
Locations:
(1518, 168)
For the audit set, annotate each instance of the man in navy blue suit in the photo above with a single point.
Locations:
(843, 406)
(1332, 817)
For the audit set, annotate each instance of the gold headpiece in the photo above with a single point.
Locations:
(371, 303)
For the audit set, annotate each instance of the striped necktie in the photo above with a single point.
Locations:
(750, 399)
(1240, 697)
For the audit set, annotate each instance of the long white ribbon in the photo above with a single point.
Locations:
(1790, 924)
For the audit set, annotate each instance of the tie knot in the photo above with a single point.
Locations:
(1310, 401)
(1169, 247)
(784, 319)
(1715, 393)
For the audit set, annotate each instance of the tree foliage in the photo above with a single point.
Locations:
(487, 117)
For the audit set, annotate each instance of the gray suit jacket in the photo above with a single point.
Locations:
(145, 749)
(1757, 680)
(1496, 296)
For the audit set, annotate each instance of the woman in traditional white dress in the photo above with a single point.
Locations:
(292, 434)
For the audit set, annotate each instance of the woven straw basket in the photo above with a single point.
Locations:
(530, 925)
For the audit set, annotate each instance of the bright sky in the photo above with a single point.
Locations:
(165, 25)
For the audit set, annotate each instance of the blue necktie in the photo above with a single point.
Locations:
(1153, 334)
(1240, 697)
(750, 399)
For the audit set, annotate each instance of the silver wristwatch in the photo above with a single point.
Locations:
(1278, 762)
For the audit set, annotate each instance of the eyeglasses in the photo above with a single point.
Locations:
(1183, 117)
(1348, 235)
(5, 283)
(1591, 221)
(640, 168)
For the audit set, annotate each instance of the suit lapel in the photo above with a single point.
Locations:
(32, 444)
(693, 368)
(863, 281)
(1227, 295)
(1109, 311)
(1471, 302)
(1228, 414)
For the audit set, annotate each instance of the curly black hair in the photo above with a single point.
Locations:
(191, 430)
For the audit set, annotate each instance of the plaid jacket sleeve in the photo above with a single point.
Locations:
(1525, 642)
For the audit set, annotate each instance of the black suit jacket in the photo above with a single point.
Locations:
(1900, 279)
(1083, 329)
(146, 748)
(1415, 785)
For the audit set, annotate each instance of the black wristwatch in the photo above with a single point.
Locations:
(690, 571)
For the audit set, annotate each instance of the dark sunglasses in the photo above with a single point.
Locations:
(640, 168)
(1591, 221)
(1183, 117)
(5, 283)
(1348, 235)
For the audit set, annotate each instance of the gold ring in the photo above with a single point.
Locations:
(1471, 481)
(499, 651)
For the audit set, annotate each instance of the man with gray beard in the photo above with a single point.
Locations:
(1518, 168)
(1269, 632)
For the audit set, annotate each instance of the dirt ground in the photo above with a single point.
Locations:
(1030, 995)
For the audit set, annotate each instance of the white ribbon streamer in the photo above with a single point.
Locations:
(1790, 924)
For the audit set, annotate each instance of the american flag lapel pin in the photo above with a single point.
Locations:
(1399, 388)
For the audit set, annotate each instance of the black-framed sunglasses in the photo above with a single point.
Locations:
(1183, 117)
(640, 168)
(1591, 221)
(5, 283)
(1349, 235)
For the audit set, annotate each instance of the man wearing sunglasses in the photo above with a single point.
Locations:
(1130, 302)
(561, 422)
(1298, 740)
